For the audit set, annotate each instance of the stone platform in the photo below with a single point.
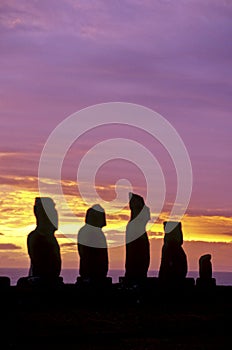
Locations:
(135, 317)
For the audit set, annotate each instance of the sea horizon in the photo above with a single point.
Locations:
(70, 275)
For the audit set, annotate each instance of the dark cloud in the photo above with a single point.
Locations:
(114, 233)
(69, 244)
(227, 233)
(9, 246)
(68, 236)
(29, 182)
(60, 235)
(120, 217)
(227, 213)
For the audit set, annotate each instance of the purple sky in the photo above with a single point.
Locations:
(172, 56)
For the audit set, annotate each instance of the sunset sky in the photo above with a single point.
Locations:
(174, 57)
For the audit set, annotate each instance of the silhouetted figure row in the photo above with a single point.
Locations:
(44, 250)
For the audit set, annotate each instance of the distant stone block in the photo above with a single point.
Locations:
(205, 283)
(4, 282)
(152, 281)
(38, 282)
(121, 279)
(187, 282)
(95, 283)
(144, 282)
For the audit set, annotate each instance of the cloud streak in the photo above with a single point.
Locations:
(9, 246)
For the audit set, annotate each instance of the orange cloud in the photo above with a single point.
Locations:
(17, 220)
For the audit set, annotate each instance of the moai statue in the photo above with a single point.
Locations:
(137, 242)
(205, 272)
(92, 249)
(43, 248)
(205, 267)
(173, 267)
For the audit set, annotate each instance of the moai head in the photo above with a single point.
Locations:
(45, 213)
(95, 216)
(138, 208)
(173, 232)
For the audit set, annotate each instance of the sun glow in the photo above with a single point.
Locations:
(17, 220)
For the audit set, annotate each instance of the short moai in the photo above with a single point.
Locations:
(173, 267)
(205, 272)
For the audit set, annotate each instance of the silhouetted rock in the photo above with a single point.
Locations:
(137, 243)
(92, 246)
(173, 267)
(43, 248)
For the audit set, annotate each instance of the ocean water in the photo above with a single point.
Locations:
(70, 275)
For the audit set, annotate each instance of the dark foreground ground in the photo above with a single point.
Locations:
(116, 318)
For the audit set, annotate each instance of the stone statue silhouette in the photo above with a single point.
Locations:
(92, 246)
(43, 248)
(137, 243)
(173, 267)
(205, 267)
(205, 279)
